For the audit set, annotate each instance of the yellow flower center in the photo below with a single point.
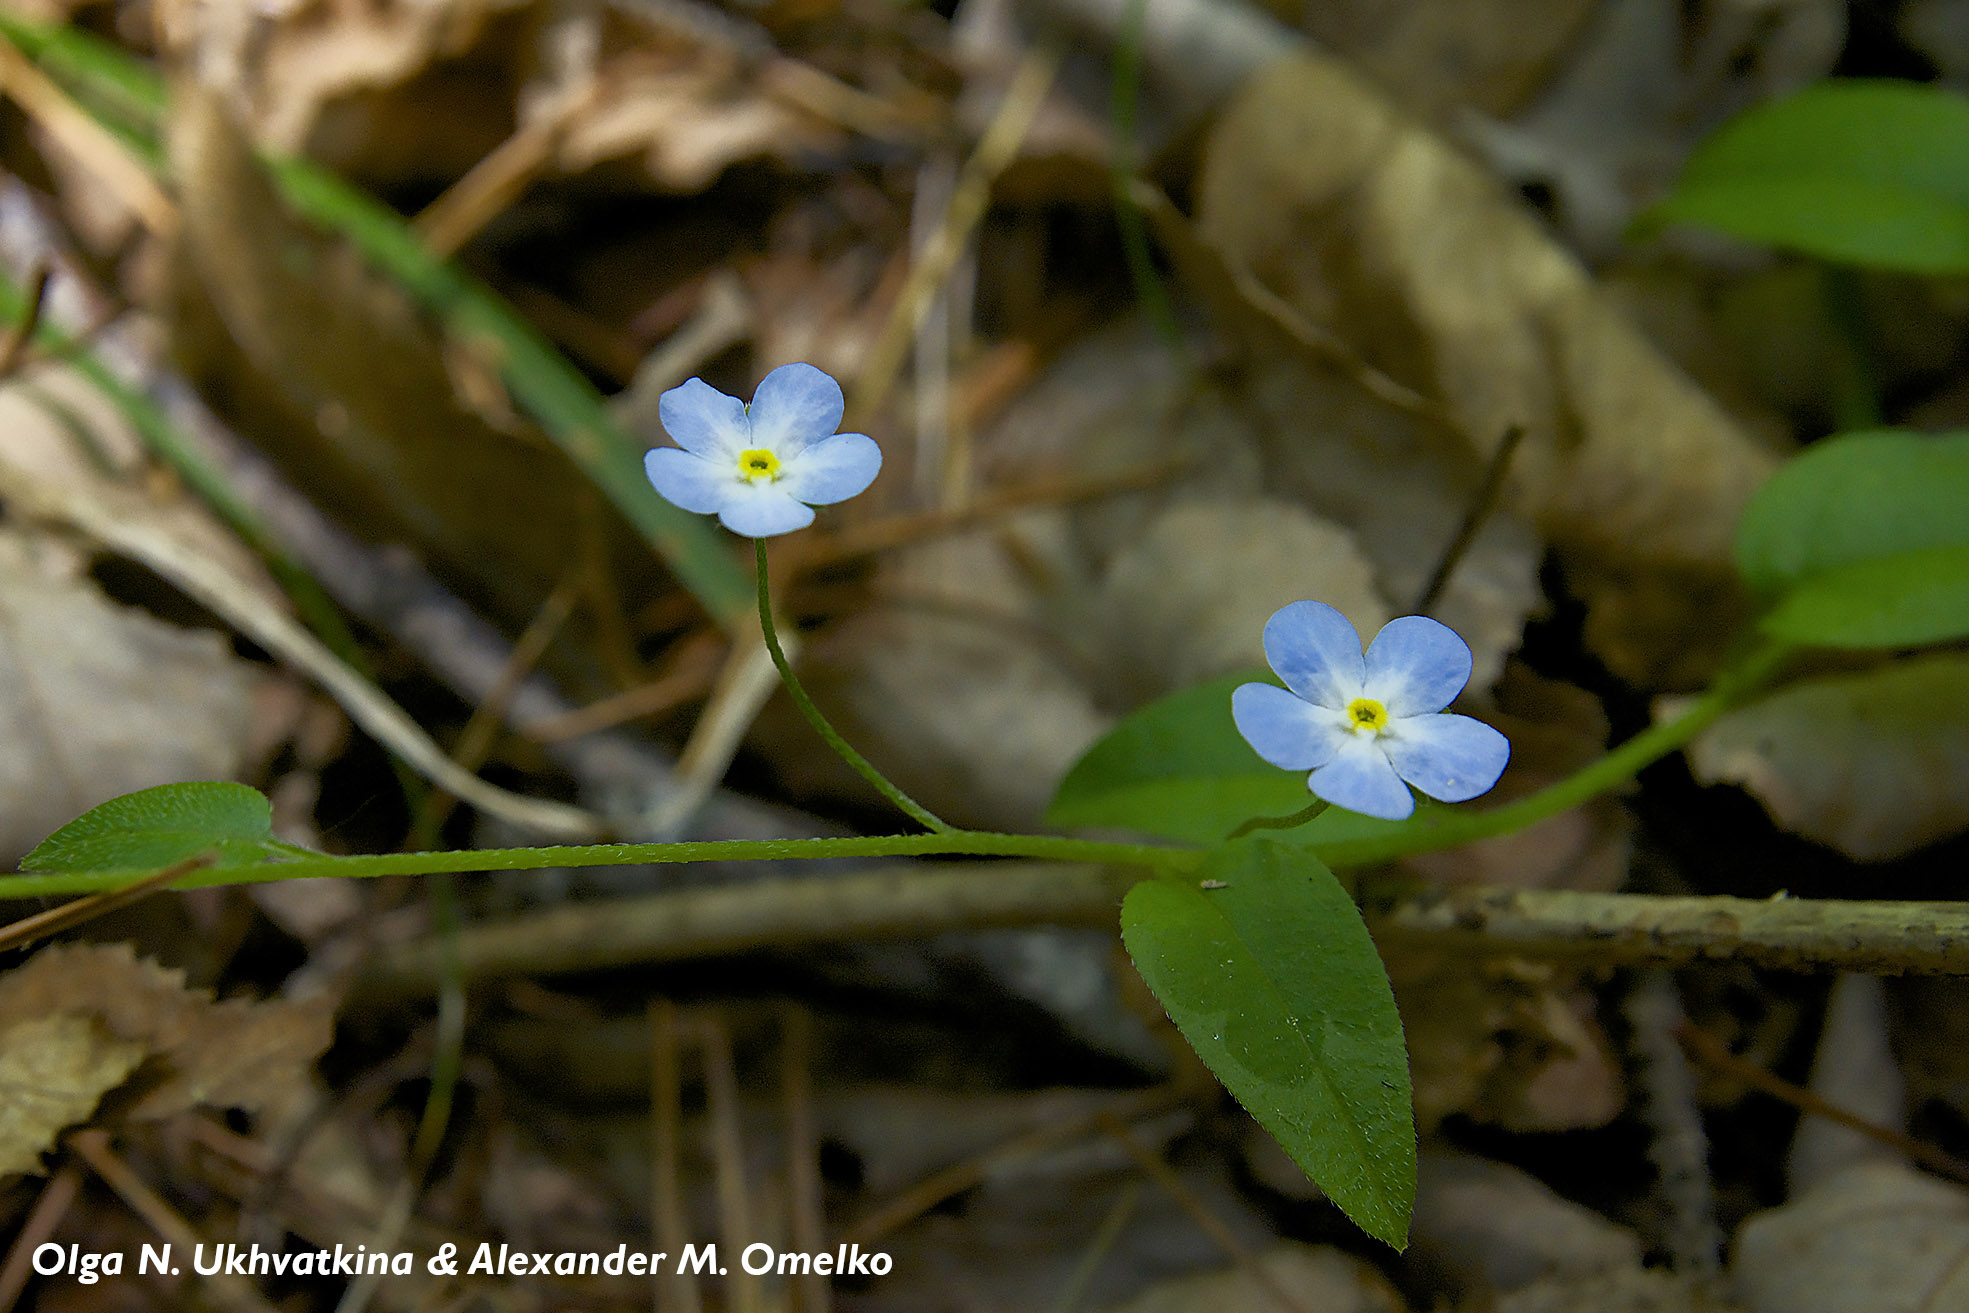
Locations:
(757, 465)
(1366, 716)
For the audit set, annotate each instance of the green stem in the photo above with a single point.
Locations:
(1292, 822)
(970, 843)
(1448, 829)
(1438, 831)
(915, 810)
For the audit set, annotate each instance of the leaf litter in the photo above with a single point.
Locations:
(1372, 311)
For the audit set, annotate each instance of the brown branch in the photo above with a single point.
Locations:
(912, 900)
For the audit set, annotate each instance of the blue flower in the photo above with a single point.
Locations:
(1364, 725)
(761, 469)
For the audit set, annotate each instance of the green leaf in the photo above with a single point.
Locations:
(153, 828)
(1177, 768)
(1851, 498)
(1865, 172)
(1863, 541)
(1904, 600)
(1275, 983)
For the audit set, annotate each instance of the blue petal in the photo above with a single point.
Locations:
(701, 419)
(1361, 780)
(692, 482)
(1316, 652)
(1416, 665)
(1284, 730)
(795, 405)
(833, 469)
(1450, 758)
(763, 510)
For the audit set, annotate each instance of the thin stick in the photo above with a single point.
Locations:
(675, 1290)
(916, 810)
(689, 677)
(1208, 1222)
(50, 1206)
(728, 1149)
(496, 181)
(913, 527)
(93, 1148)
(959, 1177)
(1098, 1249)
(94, 145)
(481, 730)
(968, 201)
(812, 1293)
(1712, 1052)
(738, 695)
(69, 915)
(1482, 503)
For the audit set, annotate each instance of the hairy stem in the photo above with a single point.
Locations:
(1448, 829)
(969, 843)
(915, 810)
(1292, 822)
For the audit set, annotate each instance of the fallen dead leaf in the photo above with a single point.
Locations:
(1376, 230)
(238, 1054)
(98, 699)
(341, 380)
(1506, 1042)
(1621, 1290)
(1881, 1237)
(1440, 54)
(53, 1072)
(1874, 763)
(1316, 1277)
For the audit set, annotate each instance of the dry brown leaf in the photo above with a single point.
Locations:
(1633, 1289)
(1881, 1237)
(98, 699)
(1316, 1277)
(685, 119)
(951, 683)
(336, 374)
(1492, 1227)
(1438, 54)
(236, 1054)
(285, 65)
(406, 90)
(53, 1072)
(1507, 1042)
(1376, 230)
(1874, 763)
(1185, 617)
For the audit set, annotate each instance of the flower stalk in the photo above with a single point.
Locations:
(915, 810)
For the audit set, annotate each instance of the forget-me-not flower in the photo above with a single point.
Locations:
(761, 469)
(1367, 726)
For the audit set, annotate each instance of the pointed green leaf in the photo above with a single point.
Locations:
(1904, 600)
(1273, 979)
(1854, 497)
(1177, 768)
(1867, 172)
(153, 828)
